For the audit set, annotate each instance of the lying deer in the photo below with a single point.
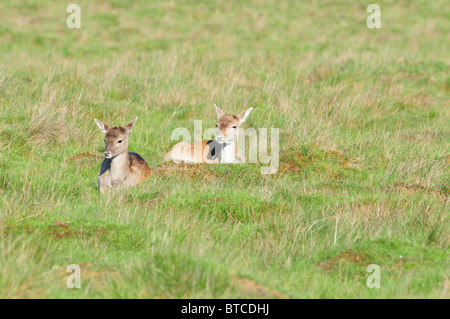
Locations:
(120, 167)
(221, 150)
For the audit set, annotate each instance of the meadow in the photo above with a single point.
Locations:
(364, 149)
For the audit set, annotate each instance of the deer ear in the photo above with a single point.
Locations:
(129, 126)
(219, 112)
(102, 126)
(243, 116)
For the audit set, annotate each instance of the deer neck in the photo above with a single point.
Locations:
(120, 167)
(228, 153)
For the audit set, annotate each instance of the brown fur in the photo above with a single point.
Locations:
(226, 125)
(120, 167)
(139, 167)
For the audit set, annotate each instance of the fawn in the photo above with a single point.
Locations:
(221, 150)
(120, 167)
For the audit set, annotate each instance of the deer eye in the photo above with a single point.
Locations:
(234, 126)
(119, 141)
(217, 125)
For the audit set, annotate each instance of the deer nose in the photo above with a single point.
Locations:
(107, 154)
(220, 139)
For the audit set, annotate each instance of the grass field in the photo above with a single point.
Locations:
(364, 149)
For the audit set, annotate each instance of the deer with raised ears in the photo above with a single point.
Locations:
(223, 149)
(120, 167)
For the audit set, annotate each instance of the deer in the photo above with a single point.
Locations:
(120, 167)
(223, 149)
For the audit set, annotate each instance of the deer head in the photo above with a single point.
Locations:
(116, 138)
(228, 125)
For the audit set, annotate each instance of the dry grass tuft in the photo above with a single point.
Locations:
(412, 189)
(184, 170)
(344, 257)
(255, 290)
(295, 159)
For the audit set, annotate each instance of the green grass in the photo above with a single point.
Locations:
(364, 149)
